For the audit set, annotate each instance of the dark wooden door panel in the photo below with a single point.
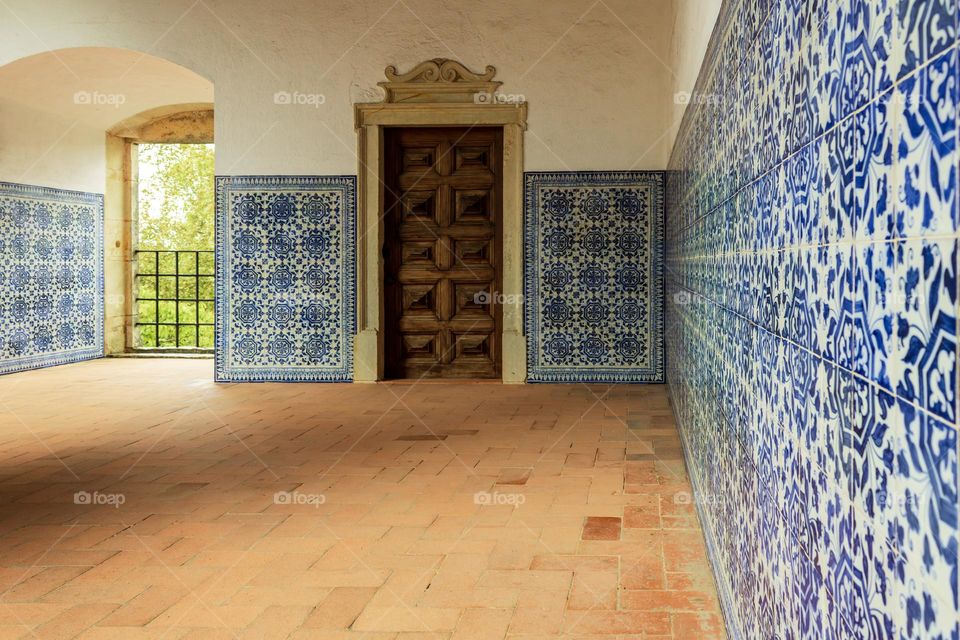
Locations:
(442, 252)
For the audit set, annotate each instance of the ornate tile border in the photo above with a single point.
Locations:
(593, 284)
(51, 277)
(286, 285)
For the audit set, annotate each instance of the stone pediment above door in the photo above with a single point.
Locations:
(439, 80)
(435, 94)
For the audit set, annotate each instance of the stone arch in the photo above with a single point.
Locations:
(70, 119)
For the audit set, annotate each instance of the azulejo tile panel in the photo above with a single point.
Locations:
(285, 278)
(829, 259)
(593, 276)
(51, 276)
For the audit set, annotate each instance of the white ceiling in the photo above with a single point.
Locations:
(99, 87)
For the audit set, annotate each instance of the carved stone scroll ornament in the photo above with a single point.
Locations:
(440, 70)
(439, 80)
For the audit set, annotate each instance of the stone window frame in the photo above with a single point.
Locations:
(191, 123)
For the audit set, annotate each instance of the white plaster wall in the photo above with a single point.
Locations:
(597, 77)
(693, 23)
(43, 149)
(55, 108)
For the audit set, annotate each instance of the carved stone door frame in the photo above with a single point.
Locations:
(436, 93)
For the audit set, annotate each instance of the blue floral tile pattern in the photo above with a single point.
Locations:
(593, 281)
(51, 276)
(867, 33)
(873, 151)
(924, 29)
(875, 321)
(925, 523)
(927, 325)
(285, 278)
(812, 251)
(926, 171)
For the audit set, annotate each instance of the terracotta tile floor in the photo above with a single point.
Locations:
(140, 500)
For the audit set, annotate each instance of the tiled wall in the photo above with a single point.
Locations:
(285, 278)
(51, 276)
(593, 276)
(811, 315)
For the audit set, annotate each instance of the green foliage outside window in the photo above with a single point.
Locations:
(175, 213)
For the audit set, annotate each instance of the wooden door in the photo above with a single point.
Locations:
(442, 252)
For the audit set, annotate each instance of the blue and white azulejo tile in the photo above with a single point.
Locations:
(285, 278)
(593, 276)
(51, 276)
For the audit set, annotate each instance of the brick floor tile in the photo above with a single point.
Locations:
(482, 624)
(593, 590)
(616, 622)
(585, 515)
(601, 528)
(663, 600)
(406, 619)
(73, 621)
(708, 626)
(643, 572)
(145, 607)
(532, 620)
(644, 514)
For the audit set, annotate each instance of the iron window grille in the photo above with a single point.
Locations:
(174, 299)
